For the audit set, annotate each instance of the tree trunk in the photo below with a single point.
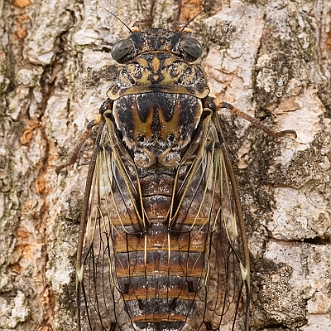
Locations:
(270, 59)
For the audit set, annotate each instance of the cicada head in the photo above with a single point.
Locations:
(180, 44)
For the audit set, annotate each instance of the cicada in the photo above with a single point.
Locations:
(162, 238)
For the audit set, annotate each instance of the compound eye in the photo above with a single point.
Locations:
(120, 49)
(192, 47)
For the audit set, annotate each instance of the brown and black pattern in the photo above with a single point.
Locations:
(163, 245)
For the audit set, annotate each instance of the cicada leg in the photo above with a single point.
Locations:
(79, 145)
(216, 105)
(106, 105)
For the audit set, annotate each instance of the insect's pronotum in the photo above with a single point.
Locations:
(162, 243)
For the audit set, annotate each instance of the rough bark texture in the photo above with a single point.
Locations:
(271, 59)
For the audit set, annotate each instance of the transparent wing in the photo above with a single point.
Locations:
(165, 250)
(108, 206)
(228, 281)
(210, 193)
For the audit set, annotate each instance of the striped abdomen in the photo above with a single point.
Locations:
(160, 272)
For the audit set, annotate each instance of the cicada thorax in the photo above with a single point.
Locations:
(160, 246)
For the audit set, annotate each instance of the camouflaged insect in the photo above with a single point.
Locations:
(162, 243)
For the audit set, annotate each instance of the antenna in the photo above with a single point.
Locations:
(118, 19)
(191, 20)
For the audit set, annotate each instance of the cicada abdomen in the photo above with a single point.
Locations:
(163, 245)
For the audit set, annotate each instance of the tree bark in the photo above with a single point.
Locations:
(270, 59)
